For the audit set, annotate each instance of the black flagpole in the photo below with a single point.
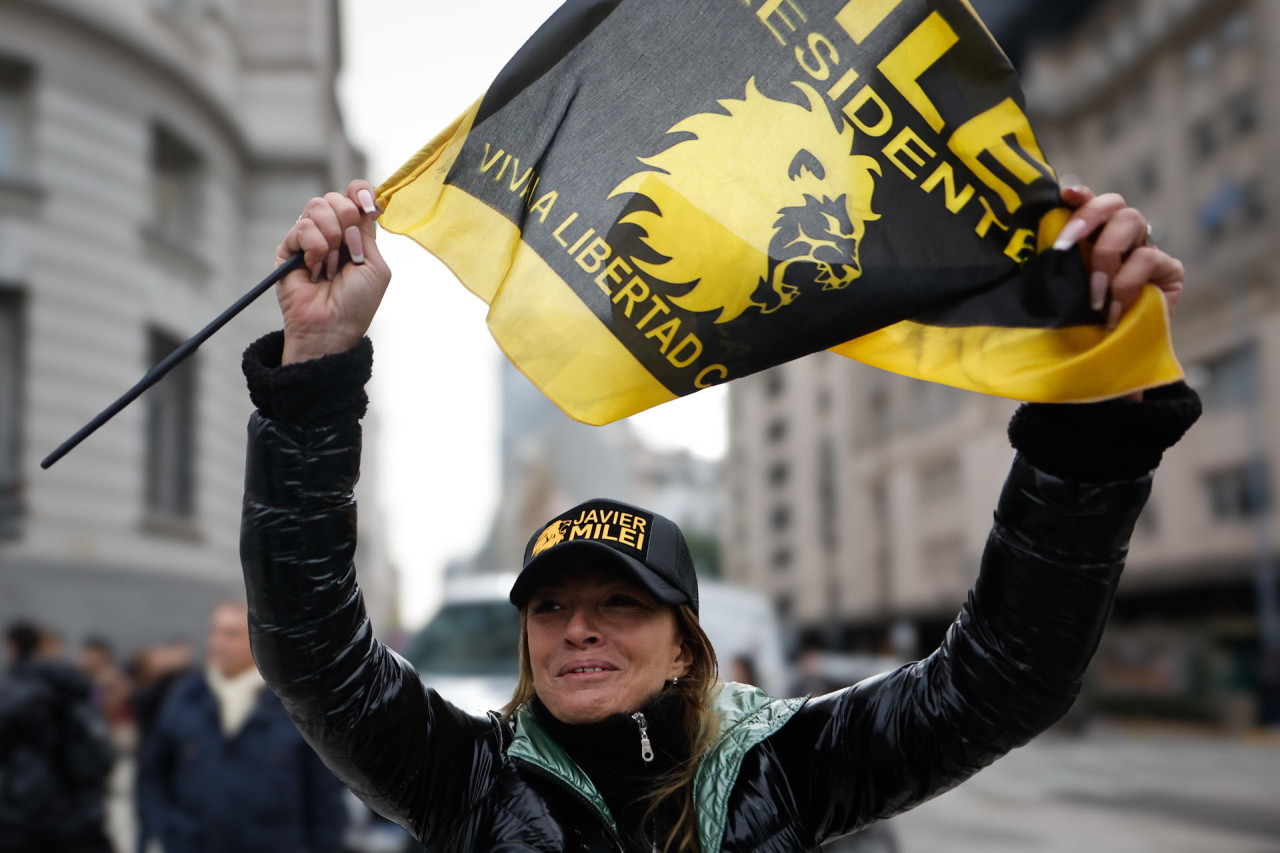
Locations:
(158, 372)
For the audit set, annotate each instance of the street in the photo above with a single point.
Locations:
(1115, 790)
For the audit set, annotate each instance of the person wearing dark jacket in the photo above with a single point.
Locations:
(55, 754)
(224, 770)
(620, 736)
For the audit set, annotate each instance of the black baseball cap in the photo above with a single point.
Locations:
(646, 545)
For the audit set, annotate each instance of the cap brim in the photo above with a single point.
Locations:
(543, 567)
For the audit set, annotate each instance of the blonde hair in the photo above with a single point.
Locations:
(701, 725)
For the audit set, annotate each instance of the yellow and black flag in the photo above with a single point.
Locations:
(657, 196)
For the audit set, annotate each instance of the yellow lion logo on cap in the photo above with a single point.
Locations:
(553, 535)
(762, 202)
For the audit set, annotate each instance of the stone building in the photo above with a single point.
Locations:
(861, 500)
(152, 153)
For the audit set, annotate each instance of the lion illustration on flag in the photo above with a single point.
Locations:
(756, 206)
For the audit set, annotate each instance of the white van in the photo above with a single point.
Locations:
(468, 650)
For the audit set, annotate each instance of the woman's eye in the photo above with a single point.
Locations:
(624, 601)
(545, 606)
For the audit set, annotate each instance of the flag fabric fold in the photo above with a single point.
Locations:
(658, 196)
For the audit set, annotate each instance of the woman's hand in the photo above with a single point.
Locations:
(1121, 258)
(328, 305)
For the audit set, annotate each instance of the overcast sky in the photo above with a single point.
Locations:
(411, 67)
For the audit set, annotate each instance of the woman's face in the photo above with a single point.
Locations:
(599, 644)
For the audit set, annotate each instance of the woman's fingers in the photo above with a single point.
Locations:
(1120, 258)
(320, 232)
(1087, 218)
(1145, 265)
(362, 239)
(1120, 237)
(361, 192)
(1075, 196)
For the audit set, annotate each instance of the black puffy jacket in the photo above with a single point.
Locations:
(796, 773)
(55, 755)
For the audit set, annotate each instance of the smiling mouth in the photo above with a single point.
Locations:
(587, 669)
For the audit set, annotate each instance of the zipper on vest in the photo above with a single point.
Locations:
(646, 749)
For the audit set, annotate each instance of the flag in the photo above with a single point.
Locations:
(658, 196)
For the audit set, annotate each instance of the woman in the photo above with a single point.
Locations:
(620, 736)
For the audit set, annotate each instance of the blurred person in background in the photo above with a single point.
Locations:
(621, 736)
(742, 669)
(112, 689)
(223, 770)
(154, 670)
(53, 645)
(55, 753)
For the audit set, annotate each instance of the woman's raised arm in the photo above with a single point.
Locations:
(400, 746)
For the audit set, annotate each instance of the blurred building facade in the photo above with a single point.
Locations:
(550, 463)
(861, 500)
(152, 153)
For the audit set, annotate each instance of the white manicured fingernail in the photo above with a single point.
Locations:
(355, 244)
(1098, 290)
(366, 202)
(1070, 234)
(1113, 315)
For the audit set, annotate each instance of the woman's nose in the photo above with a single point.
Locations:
(581, 630)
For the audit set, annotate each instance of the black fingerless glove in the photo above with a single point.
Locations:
(325, 390)
(1106, 441)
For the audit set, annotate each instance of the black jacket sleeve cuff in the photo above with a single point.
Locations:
(1106, 441)
(325, 390)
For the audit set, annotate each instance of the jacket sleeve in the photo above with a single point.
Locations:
(1011, 663)
(401, 748)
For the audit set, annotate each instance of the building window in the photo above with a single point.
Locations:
(940, 480)
(773, 382)
(878, 407)
(15, 120)
(828, 521)
(944, 558)
(1200, 56)
(1230, 380)
(1111, 122)
(824, 401)
(780, 519)
(170, 425)
(1244, 113)
(882, 558)
(1240, 492)
(1252, 209)
(177, 187)
(1237, 28)
(777, 430)
(779, 472)
(175, 7)
(1235, 204)
(781, 559)
(11, 346)
(1148, 177)
(1204, 139)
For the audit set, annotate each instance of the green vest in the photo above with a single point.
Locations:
(747, 717)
